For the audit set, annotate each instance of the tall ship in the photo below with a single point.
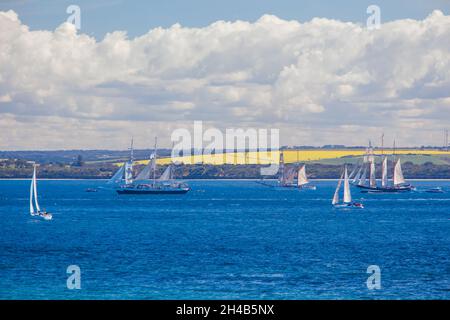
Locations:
(363, 175)
(146, 181)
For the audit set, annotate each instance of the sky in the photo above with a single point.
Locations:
(143, 68)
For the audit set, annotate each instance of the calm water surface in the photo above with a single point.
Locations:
(223, 240)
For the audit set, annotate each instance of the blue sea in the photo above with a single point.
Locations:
(223, 240)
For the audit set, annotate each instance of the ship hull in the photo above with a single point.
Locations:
(385, 190)
(151, 191)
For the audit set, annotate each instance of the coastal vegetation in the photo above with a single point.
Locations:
(86, 166)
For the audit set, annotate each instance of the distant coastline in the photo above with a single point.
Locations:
(101, 164)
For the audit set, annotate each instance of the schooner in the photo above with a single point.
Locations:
(288, 175)
(367, 166)
(146, 182)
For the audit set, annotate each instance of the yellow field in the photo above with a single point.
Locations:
(290, 156)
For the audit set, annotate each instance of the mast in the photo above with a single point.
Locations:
(131, 151)
(347, 194)
(282, 180)
(155, 158)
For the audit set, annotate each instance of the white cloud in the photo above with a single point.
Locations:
(318, 81)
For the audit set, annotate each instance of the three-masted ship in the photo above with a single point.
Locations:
(369, 184)
(146, 181)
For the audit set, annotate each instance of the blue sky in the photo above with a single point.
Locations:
(137, 17)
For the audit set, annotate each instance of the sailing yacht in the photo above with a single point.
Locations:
(302, 179)
(33, 196)
(146, 181)
(347, 202)
(288, 175)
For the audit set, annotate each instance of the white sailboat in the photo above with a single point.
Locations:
(35, 210)
(302, 179)
(347, 200)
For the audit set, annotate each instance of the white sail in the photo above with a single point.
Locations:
(118, 176)
(347, 194)
(38, 209)
(32, 191)
(167, 174)
(336, 193)
(362, 179)
(384, 176)
(373, 180)
(352, 174)
(302, 179)
(129, 166)
(398, 174)
(358, 174)
(145, 174)
(128, 172)
(289, 176)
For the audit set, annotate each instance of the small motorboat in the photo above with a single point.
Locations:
(435, 190)
(91, 190)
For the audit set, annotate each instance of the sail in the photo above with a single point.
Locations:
(347, 194)
(384, 176)
(336, 193)
(118, 176)
(289, 176)
(358, 174)
(145, 174)
(167, 174)
(302, 179)
(373, 180)
(128, 172)
(398, 174)
(35, 191)
(362, 179)
(352, 174)
(31, 191)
